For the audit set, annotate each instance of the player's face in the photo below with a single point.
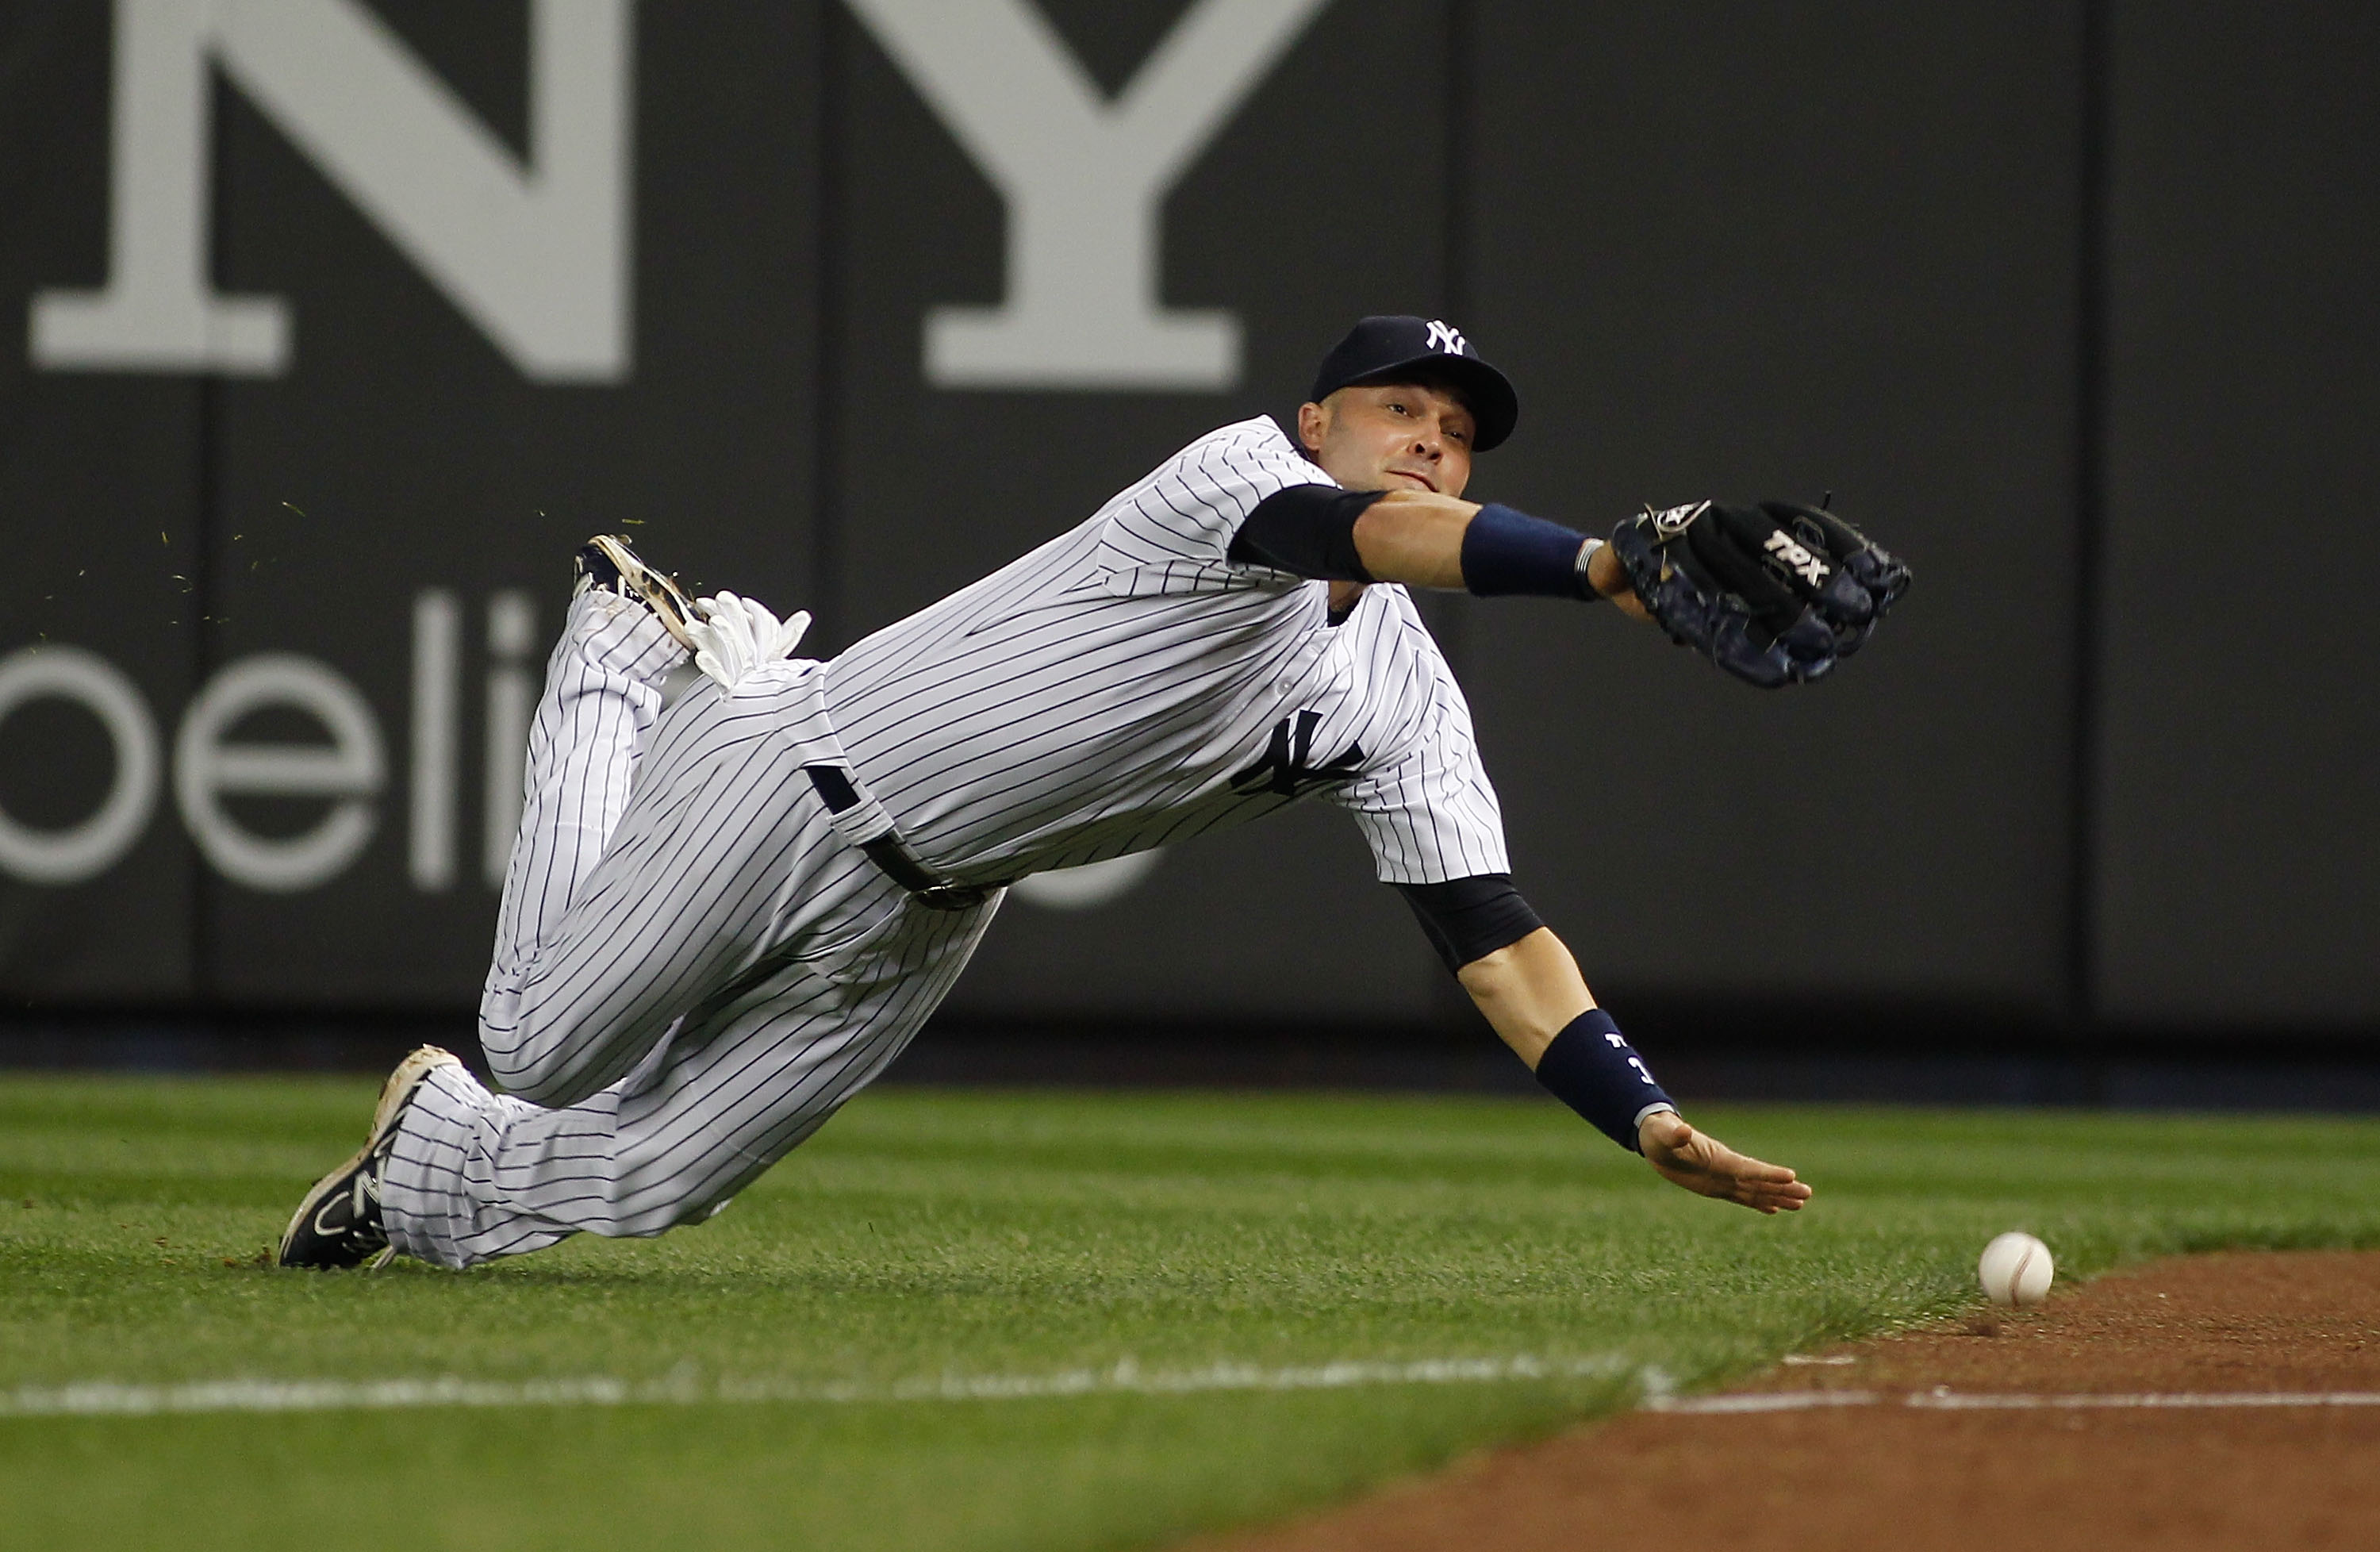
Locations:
(1395, 436)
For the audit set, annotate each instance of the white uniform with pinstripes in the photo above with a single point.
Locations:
(694, 968)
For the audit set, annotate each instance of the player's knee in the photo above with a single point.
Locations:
(557, 1049)
(552, 1082)
(551, 1091)
(534, 1064)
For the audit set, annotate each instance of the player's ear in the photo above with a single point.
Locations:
(1312, 421)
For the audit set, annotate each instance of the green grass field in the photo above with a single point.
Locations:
(928, 1244)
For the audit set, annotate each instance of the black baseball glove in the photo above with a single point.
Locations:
(1774, 594)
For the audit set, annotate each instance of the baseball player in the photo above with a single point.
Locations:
(730, 905)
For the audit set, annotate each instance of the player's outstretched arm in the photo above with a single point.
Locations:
(1775, 594)
(1532, 992)
(1418, 538)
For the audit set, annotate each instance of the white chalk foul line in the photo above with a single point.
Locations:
(685, 1388)
(1761, 1401)
(1988, 1401)
(1979, 1400)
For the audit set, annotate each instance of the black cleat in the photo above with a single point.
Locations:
(339, 1224)
(605, 564)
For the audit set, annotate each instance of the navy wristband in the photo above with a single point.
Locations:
(1590, 1068)
(1507, 552)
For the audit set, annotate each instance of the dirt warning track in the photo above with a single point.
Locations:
(2218, 1401)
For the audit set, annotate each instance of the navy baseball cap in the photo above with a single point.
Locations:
(1385, 347)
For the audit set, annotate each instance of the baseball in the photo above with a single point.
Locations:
(2015, 1270)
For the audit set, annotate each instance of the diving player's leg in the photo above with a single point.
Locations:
(474, 1175)
(724, 875)
(705, 874)
(602, 696)
(649, 873)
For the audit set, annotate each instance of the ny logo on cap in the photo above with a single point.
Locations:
(1447, 337)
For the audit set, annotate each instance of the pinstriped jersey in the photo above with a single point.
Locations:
(1128, 685)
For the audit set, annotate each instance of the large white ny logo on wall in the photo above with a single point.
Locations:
(536, 251)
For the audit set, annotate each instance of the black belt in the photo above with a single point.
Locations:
(890, 852)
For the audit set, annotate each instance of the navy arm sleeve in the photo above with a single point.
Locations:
(1307, 530)
(1470, 919)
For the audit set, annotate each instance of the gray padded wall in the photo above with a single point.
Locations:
(1746, 253)
(2236, 879)
(1725, 252)
(399, 455)
(99, 511)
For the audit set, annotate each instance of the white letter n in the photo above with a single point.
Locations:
(536, 256)
(1085, 182)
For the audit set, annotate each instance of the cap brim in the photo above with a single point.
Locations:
(1494, 407)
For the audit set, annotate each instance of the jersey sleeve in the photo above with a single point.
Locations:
(1187, 513)
(1429, 813)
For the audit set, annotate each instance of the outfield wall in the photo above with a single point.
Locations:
(340, 322)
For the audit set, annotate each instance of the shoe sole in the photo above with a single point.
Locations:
(408, 1076)
(659, 593)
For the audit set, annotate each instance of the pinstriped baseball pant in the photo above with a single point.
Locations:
(693, 971)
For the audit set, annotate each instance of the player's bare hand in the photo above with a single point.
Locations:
(1709, 1167)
